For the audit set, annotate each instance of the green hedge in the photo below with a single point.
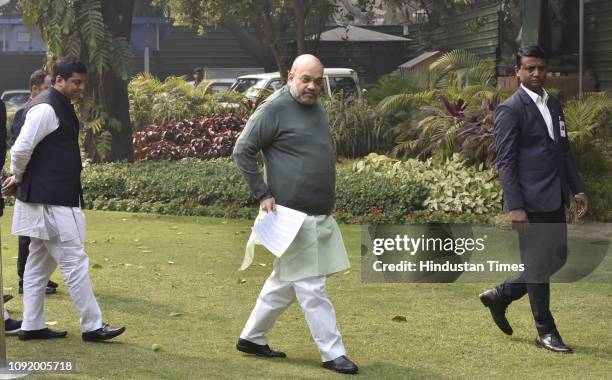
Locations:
(216, 188)
(599, 191)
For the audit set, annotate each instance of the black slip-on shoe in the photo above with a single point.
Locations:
(41, 334)
(342, 364)
(264, 350)
(105, 332)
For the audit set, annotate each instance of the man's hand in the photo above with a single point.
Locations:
(582, 203)
(268, 205)
(9, 186)
(520, 222)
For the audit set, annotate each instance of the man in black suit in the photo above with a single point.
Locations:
(40, 80)
(538, 175)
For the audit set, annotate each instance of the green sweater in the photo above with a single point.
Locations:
(295, 139)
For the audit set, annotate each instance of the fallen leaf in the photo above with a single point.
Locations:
(399, 318)
(127, 265)
(96, 266)
(156, 347)
(51, 323)
(347, 272)
(170, 262)
(262, 264)
(179, 233)
(241, 280)
(176, 314)
(147, 251)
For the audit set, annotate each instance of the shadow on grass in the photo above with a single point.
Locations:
(372, 370)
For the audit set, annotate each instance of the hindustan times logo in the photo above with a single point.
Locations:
(413, 245)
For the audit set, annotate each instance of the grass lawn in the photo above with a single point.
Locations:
(173, 282)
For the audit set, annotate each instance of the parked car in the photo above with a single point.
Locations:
(335, 80)
(218, 85)
(14, 99)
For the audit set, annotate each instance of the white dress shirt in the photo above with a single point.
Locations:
(35, 219)
(541, 102)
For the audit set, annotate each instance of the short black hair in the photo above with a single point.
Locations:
(38, 78)
(65, 67)
(534, 51)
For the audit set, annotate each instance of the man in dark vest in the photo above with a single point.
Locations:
(538, 176)
(46, 180)
(40, 80)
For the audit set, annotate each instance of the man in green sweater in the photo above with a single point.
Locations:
(292, 131)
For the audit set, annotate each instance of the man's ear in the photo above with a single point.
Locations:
(289, 76)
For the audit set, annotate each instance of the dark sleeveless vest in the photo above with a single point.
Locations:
(53, 175)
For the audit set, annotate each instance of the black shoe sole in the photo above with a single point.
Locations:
(346, 372)
(41, 337)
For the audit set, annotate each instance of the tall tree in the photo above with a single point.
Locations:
(98, 32)
(261, 27)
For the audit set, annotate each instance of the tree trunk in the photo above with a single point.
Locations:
(299, 10)
(117, 16)
(252, 45)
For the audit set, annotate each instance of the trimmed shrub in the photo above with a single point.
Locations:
(454, 188)
(216, 188)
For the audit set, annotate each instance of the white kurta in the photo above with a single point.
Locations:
(35, 219)
(57, 235)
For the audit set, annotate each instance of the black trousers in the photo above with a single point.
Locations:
(22, 257)
(543, 252)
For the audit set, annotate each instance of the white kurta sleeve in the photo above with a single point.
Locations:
(40, 121)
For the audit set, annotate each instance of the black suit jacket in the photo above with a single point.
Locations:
(2, 134)
(537, 173)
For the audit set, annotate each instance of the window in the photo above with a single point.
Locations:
(342, 84)
(275, 84)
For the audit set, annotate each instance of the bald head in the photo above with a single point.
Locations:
(306, 60)
(306, 79)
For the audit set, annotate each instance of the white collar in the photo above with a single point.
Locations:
(537, 99)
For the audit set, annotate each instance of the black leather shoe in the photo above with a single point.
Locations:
(553, 343)
(249, 347)
(103, 333)
(341, 364)
(52, 284)
(491, 299)
(7, 297)
(41, 334)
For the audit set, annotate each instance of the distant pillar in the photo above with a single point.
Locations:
(146, 59)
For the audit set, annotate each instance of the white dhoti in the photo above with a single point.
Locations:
(300, 273)
(57, 236)
(277, 295)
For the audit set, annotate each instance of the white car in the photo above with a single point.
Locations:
(336, 80)
(14, 99)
